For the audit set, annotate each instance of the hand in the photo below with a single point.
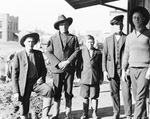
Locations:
(39, 81)
(47, 62)
(78, 80)
(128, 72)
(106, 76)
(147, 76)
(62, 65)
(101, 82)
(16, 96)
(124, 76)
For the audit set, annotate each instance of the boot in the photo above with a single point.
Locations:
(68, 108)
(24, 117)
(46, 107)
(94, 107)
(56, 109)
(85, 109)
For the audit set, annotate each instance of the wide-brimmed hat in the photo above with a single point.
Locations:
(32, 35)
(117, 19)
(141, 10)
(62, 19)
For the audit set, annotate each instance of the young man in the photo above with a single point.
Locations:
(62, 52)
(89, 69)
(28, 74)
(112, 59)
(137, 57)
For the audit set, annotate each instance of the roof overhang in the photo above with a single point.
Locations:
(77, 4)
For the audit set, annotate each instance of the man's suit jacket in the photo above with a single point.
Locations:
(109, 54)
(89, 68)
(20, 70)
(57, 53)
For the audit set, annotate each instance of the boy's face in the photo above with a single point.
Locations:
(89, 43)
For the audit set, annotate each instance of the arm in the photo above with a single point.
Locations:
(104, 61)
(50, 55)
(62, 65)
(79, 65)
(15, 74)
(75, 53)
(43, 67)
(125, 61)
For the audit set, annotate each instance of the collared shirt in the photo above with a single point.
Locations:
(139, 31)
(91, 52)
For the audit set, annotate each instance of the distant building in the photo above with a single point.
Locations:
(8, 27)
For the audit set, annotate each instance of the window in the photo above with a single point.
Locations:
(0, 24)
(0, 35)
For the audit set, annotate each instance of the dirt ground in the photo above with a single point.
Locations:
(105, 110)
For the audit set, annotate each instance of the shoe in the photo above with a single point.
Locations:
(54, 117)
(129, 117)
(116, 116)
(83, 117)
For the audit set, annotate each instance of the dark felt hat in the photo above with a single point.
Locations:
(32, 35)
(62, 19)
(141, 10)
(117, 19)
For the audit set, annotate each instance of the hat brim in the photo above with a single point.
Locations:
(143, 11)
(33, 35)
(56, 24)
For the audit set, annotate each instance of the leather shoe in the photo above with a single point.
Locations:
(129, 117)
(116, 116)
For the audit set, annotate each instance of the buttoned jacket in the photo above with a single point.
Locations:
(89, 68)
(56, 52)
(20, 70)
(109, 55)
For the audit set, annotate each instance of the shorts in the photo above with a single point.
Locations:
(90, 91)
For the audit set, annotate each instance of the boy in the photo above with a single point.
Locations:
(89, 69)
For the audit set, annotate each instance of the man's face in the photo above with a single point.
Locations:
(29, 43)
(138, 19)
(118, 27)
(89, 43)
(63, 27)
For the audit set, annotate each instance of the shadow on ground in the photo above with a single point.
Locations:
(102, 113)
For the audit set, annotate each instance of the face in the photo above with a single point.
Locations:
(63, 27)
(118, 27)
(29, 43)
(138, 19)
(89, 43)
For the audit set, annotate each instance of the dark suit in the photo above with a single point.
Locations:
(57, 52)
(112, 64)
(89, 69)
(20, 81)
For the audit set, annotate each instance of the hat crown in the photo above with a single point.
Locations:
(61, 18)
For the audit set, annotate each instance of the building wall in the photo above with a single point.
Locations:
(8, 27)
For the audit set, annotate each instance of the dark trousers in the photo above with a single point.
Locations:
(140, 87)
(43, 89)
(127, 96)
(63, 81)
(115, 93)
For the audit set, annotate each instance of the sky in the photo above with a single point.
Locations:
(42, 14)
